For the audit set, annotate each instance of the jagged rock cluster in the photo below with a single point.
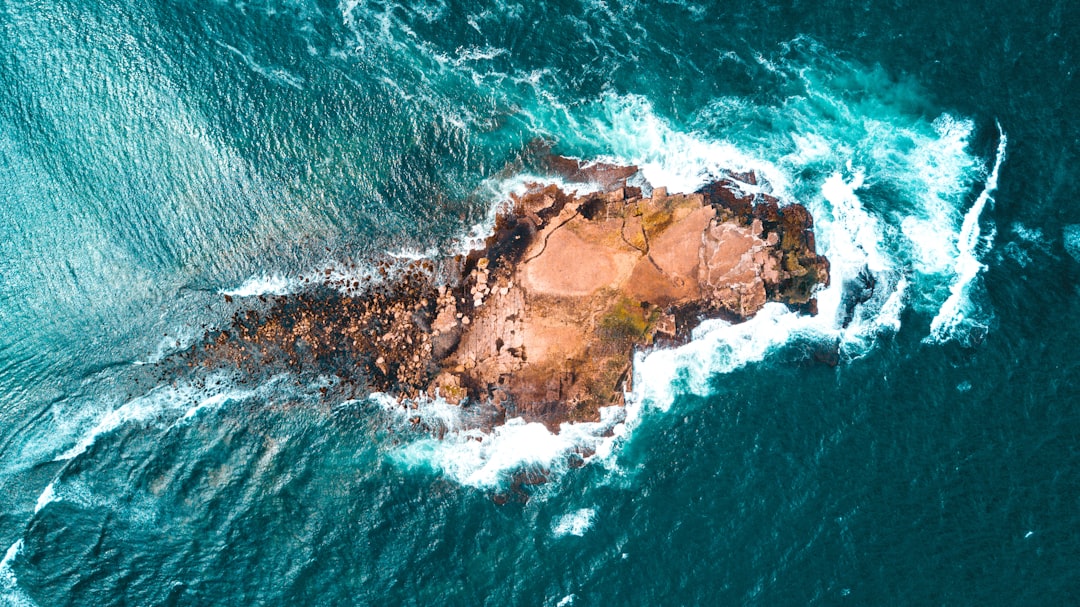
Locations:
(542, 321)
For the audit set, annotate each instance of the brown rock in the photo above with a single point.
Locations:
(542, 321)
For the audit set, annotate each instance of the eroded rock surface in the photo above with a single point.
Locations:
(543, 320)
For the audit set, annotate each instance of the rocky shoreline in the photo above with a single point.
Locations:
(542, 321)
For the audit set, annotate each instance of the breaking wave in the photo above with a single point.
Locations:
(487, 459)
(262, 285)
(887, 188)
(957, 313)
(169, 405)
(10, 593)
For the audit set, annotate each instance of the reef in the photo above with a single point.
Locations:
(542, 320)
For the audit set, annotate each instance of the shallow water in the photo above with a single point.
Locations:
(159, 155)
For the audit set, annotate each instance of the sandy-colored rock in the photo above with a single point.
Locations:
(542, 321)
(570, 266)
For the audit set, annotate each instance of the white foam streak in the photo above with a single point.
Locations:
(475, 53)
(346, 278)
(935, 175)
(275, 284)
(484, 460)
(856, 237)
(12, 551)
(888, 317)
(139, 409)
(47, 497)
(951, 317)
(214, 401)
(852, 239)
(414, 255)
(161, 402)
(514, 445)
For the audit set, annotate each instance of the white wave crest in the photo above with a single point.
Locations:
(10, 593)
(954, 312)
(717, 347)
(79, 494)
(348, 278)
(47, 497)
(169, 405)
(413, 254)
(262, 285)
(633, 133)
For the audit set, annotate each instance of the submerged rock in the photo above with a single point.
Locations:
(542, 321)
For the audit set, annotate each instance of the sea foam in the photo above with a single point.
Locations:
(1071, 234)
(254, 286)
(956, 312)
(348, 277)
(169, 405)
(574, 523)
(488, 459)
(10, 593)
(885, 185)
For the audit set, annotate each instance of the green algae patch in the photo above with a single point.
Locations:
(627, 322)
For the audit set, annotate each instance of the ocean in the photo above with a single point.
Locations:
(158, 155)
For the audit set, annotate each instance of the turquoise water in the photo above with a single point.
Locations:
(154, 156)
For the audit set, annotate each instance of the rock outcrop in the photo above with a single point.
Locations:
(542, 321)
(553, 307)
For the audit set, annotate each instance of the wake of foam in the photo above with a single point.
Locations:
(854, 238)
(140, 510)
(7, 577)
(719, 347)
(47, 497)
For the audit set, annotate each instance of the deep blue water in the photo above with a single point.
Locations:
(154, 155)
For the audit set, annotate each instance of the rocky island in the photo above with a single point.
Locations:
(541, 322)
